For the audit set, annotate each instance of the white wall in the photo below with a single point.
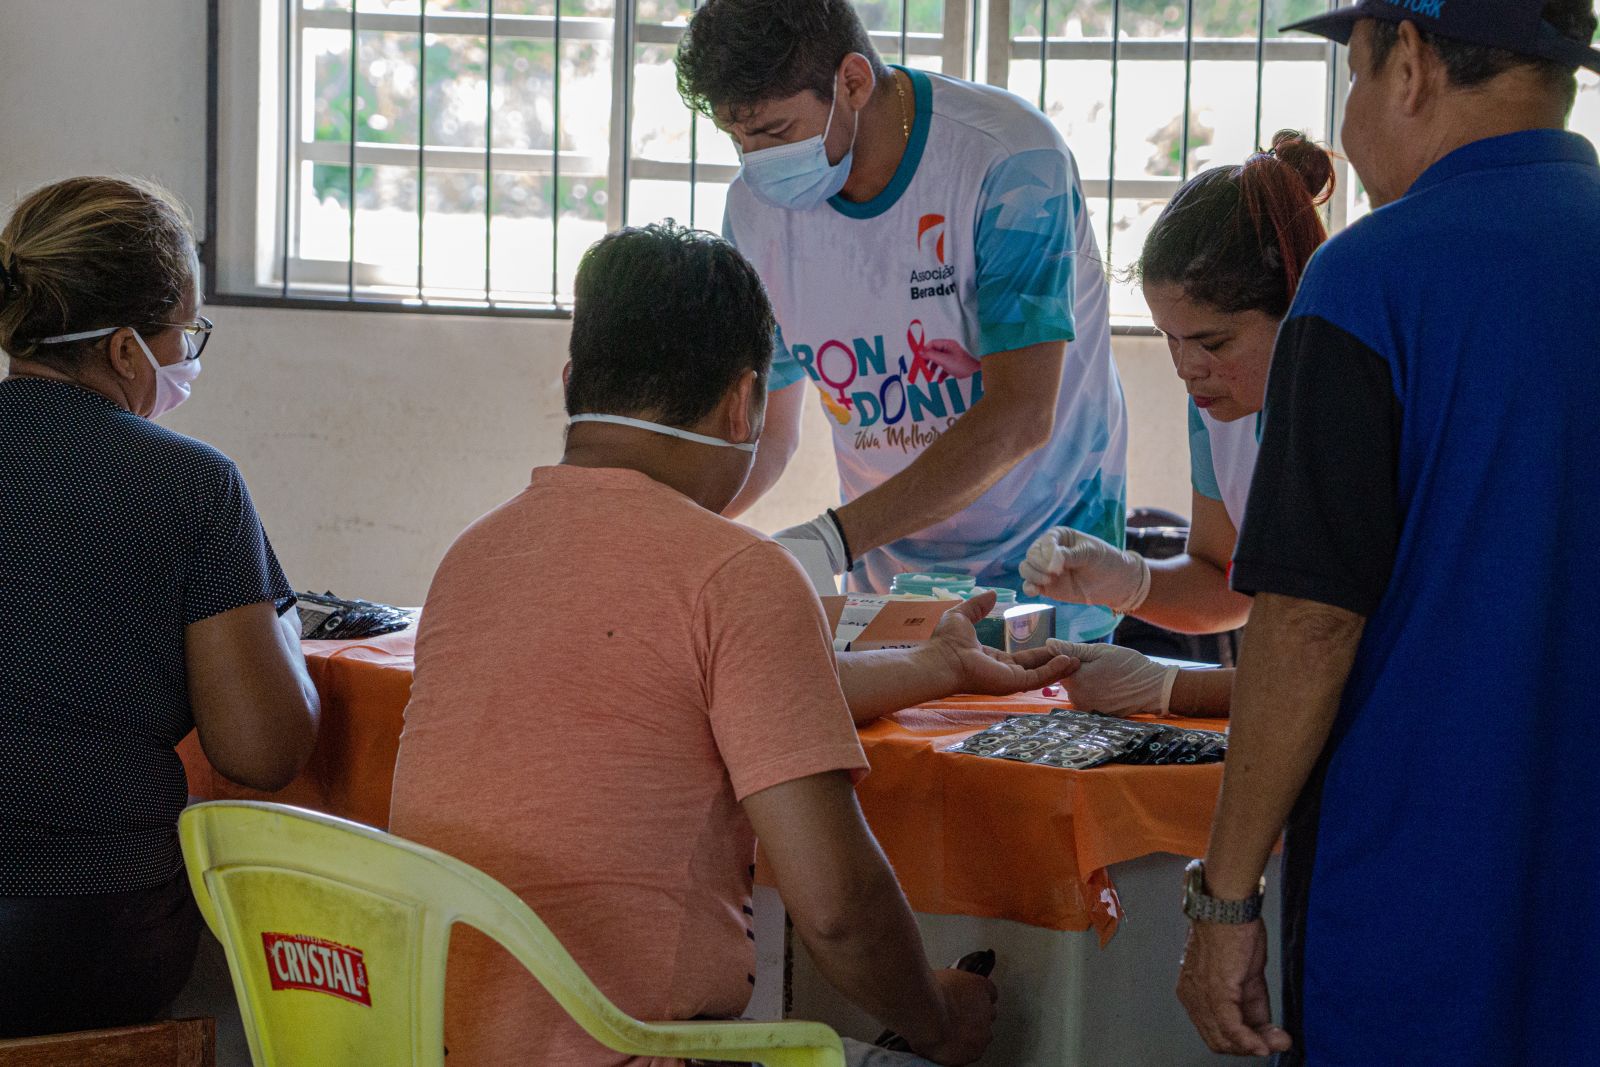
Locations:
(368, 440)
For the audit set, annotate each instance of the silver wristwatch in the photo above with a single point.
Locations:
(1208, 909)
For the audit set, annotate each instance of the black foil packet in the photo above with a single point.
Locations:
(325, 617)
(1079, 740)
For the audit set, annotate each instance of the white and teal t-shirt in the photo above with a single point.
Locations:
(1222, 459)
(982, 238)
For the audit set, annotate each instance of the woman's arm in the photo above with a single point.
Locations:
(1189, 593)
(1116, 680)
(254, 705)
(1206, 694)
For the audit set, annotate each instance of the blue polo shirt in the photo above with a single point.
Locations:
(1430, 460)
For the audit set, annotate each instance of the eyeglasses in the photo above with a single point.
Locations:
(199, 332)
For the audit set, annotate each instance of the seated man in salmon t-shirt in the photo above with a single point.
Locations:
(617, 691)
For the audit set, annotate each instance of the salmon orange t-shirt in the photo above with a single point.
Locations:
(604, 670)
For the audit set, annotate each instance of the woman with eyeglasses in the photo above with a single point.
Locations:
(139, 599)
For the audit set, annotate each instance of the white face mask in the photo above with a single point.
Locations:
(668, 431)
(173, 382)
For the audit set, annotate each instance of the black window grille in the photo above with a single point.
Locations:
(459, 155)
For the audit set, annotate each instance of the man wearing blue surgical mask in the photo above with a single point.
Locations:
(927, 249)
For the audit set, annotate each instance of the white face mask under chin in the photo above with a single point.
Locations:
(666, 431)
(173, 381)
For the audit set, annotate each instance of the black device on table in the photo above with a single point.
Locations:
(325, 617)
(979, 963)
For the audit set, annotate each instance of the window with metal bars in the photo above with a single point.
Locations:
(461, 154)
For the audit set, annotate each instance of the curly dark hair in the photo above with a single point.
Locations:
(665, 319)
(1469, 65)
(737, 54)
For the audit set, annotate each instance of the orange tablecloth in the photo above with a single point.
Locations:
(967, 835)
(364, 686)
(1004, 840)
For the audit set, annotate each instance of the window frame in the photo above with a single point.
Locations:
(975, 38)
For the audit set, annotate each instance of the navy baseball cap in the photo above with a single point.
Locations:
(1517, 26)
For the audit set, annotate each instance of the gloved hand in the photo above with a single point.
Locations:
(1079, 568)
(1115, 680)
(823, 528)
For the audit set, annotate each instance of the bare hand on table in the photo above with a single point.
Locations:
(976, 668)
(1223, 986)
(969, 1012)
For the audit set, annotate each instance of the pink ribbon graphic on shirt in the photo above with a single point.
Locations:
(936, 360)
(917, 341)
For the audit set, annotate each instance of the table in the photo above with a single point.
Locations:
(985, 838)
(990, 838)
(992, 854)
(364, 687)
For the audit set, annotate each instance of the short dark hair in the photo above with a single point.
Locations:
(1239, 238)
(665, 320)
(1470, 65)
(737, 54)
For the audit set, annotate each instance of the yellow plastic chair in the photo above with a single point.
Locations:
(337, 935)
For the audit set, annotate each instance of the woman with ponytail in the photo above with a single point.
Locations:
(1219, 271)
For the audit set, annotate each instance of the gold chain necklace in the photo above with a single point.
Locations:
(905, 121)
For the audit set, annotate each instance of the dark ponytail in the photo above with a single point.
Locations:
(1238, 238)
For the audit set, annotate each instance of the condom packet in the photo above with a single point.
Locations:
(1177, 745)
(325, 617)
(1080, 740)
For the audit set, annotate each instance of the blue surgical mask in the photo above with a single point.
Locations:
(667, 431)
(798, 176)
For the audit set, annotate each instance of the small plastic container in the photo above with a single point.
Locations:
(942, 586)
(991, 629)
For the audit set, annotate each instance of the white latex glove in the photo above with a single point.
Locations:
(1115, 680)
(1079, 568)
(823, 529)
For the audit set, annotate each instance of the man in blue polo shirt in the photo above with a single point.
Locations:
(1416, 701)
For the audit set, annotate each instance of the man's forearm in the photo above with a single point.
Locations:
(1286, 695)
(874, 956)
(883, 682)
(955, 470)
